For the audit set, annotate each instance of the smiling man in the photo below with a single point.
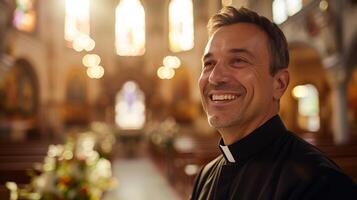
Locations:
(243, 77)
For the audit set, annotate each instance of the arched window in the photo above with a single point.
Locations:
(25, 15)
(76, 110)
(77, 25)
(130, 107)
(181, 33)
(282, 9)
(19, 90)
(308, 107)
(130, 28)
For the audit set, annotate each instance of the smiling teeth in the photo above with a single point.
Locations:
(223, 97)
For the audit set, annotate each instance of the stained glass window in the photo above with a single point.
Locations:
(77, 27)
(308, 107)
(130, 28)
(130, 107)
(25, 15)
(282, 9)
(181, 30)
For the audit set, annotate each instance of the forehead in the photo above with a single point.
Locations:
(241, 35)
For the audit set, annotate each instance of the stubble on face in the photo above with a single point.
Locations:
(225, 119)
(250, 81)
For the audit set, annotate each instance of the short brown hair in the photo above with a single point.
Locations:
(278, 46)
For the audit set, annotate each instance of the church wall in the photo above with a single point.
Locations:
(52, 60)
(306, 68)
(318, 28)
(31, 49)
(309, 45)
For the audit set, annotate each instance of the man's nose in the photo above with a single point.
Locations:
(219, 74)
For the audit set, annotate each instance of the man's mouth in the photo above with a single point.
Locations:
(223, 97)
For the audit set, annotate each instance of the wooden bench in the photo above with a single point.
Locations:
(189, 154)
(17, 158)
(4, 192)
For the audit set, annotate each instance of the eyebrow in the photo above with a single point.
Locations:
(234, 50)
(240, 50)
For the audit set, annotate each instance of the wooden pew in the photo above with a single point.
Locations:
(4, 193)
(190, 153)
(17, 158)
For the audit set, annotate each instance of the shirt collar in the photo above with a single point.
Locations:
(254, 142)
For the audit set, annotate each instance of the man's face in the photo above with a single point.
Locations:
(235, 83)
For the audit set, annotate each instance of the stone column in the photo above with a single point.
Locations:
(337, 79)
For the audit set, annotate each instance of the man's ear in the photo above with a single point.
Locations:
(281, 82)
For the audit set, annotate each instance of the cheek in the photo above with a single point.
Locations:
(257, 86)
(257, 78)
(202, 81)
(248, 81)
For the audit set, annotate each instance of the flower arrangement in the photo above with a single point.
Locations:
(74, 170)
(162, 134)
(104, 136)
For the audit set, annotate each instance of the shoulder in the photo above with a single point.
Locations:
(210, 168)
(298, 159)
(306, 160)
(310, 174)
(327, 184)
(204, 174)
(302, 152)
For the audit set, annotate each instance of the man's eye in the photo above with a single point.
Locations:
(238, 61)
(207, 64)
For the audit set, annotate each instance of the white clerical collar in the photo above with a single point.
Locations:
(227, 153)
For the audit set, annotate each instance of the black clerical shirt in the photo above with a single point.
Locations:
(272, 163)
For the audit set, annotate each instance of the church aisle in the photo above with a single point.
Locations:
(139, 179)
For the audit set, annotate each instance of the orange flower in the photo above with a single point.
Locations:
(65, 180)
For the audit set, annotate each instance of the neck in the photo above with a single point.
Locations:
(235, 133)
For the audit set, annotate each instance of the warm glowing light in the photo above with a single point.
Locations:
(90, 46)
(83, 42)
(279, 12)
(171, 62)
(323, 5)
(12, 186)
(282, 9)
(308, 107)
(165, 72)
(91, 60)
(130, 107)
(181, 29)
(95, 72)
(293, 6)
(76, 20)
(25, 15)
(226, 2)
(171, 74)
(191, 169)
(130, 28)
(161, 72)
(300, 91)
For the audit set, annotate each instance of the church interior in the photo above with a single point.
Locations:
(99, 99)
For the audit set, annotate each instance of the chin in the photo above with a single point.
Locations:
(217, 123)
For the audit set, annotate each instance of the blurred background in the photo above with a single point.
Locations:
(118, 79)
